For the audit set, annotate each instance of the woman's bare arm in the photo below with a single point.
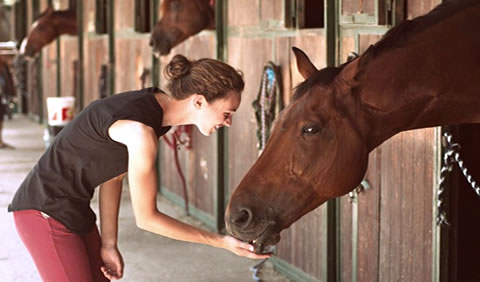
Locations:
(109, 203)
(142, 145)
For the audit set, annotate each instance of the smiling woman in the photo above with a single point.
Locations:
(109, 138)
(220, 89)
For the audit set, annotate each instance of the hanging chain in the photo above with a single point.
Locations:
(451, 156)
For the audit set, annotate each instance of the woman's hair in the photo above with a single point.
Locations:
(208, 77)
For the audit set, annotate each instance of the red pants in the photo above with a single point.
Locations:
(58, 253)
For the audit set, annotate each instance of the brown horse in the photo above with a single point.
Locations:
(423, 73)
(48, 26)
(181, 19)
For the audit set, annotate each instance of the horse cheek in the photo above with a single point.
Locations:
(355, 163)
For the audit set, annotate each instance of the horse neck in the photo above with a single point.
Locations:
(65, 22)
(207, 7)
(432, 79)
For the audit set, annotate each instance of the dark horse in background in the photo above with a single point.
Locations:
(423, 73)
(180, 20)
(47, 27)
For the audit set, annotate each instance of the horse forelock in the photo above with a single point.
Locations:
(322, 77)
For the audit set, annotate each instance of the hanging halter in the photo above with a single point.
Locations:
(268, 103)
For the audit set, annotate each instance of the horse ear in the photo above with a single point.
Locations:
(304, 65)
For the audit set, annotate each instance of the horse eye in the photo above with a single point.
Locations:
(310, 130)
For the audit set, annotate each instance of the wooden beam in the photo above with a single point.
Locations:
(221, 197)
(80, 69)
(155, 61)
(111, 45)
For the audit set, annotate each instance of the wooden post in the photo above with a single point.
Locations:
(79, 86)
(331, 24)
(221, 198)
(155, 62)
(111, 45)
(38, 71)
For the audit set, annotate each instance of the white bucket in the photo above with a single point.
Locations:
(60, 110)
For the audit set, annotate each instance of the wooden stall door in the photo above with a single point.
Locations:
(386, 231)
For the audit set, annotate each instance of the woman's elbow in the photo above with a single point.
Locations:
(142, 225)
(143, 222)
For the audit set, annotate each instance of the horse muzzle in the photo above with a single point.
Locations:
(261, 233)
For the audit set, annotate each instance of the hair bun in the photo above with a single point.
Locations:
(178, 67)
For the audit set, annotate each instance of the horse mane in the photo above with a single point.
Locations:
(320, 77)
(41, 15)
(54, 11)
(398, 36)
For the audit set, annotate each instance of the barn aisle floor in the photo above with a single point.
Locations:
(148, 257)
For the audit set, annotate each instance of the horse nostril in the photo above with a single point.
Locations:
(243, 218)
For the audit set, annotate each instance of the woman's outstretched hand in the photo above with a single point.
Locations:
(112, 262)
(241, 248)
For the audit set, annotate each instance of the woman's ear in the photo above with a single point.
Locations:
(199, 101)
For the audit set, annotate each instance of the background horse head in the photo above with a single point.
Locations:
(48, 26)
(419, 75)
(180, 20)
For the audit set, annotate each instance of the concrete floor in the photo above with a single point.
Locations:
(148, 257)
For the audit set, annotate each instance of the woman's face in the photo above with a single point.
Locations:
(212, 116)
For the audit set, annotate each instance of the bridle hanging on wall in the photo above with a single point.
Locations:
(268, 103)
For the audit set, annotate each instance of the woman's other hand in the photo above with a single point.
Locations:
(241, 248)
(112, 262)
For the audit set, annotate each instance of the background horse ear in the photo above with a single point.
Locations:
(304, 65)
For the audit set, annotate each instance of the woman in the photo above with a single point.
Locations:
(108, 138)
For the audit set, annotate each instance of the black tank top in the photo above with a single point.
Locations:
(83, 156)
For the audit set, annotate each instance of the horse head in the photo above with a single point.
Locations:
(180, 20)
(47, 27)
(316, 152)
